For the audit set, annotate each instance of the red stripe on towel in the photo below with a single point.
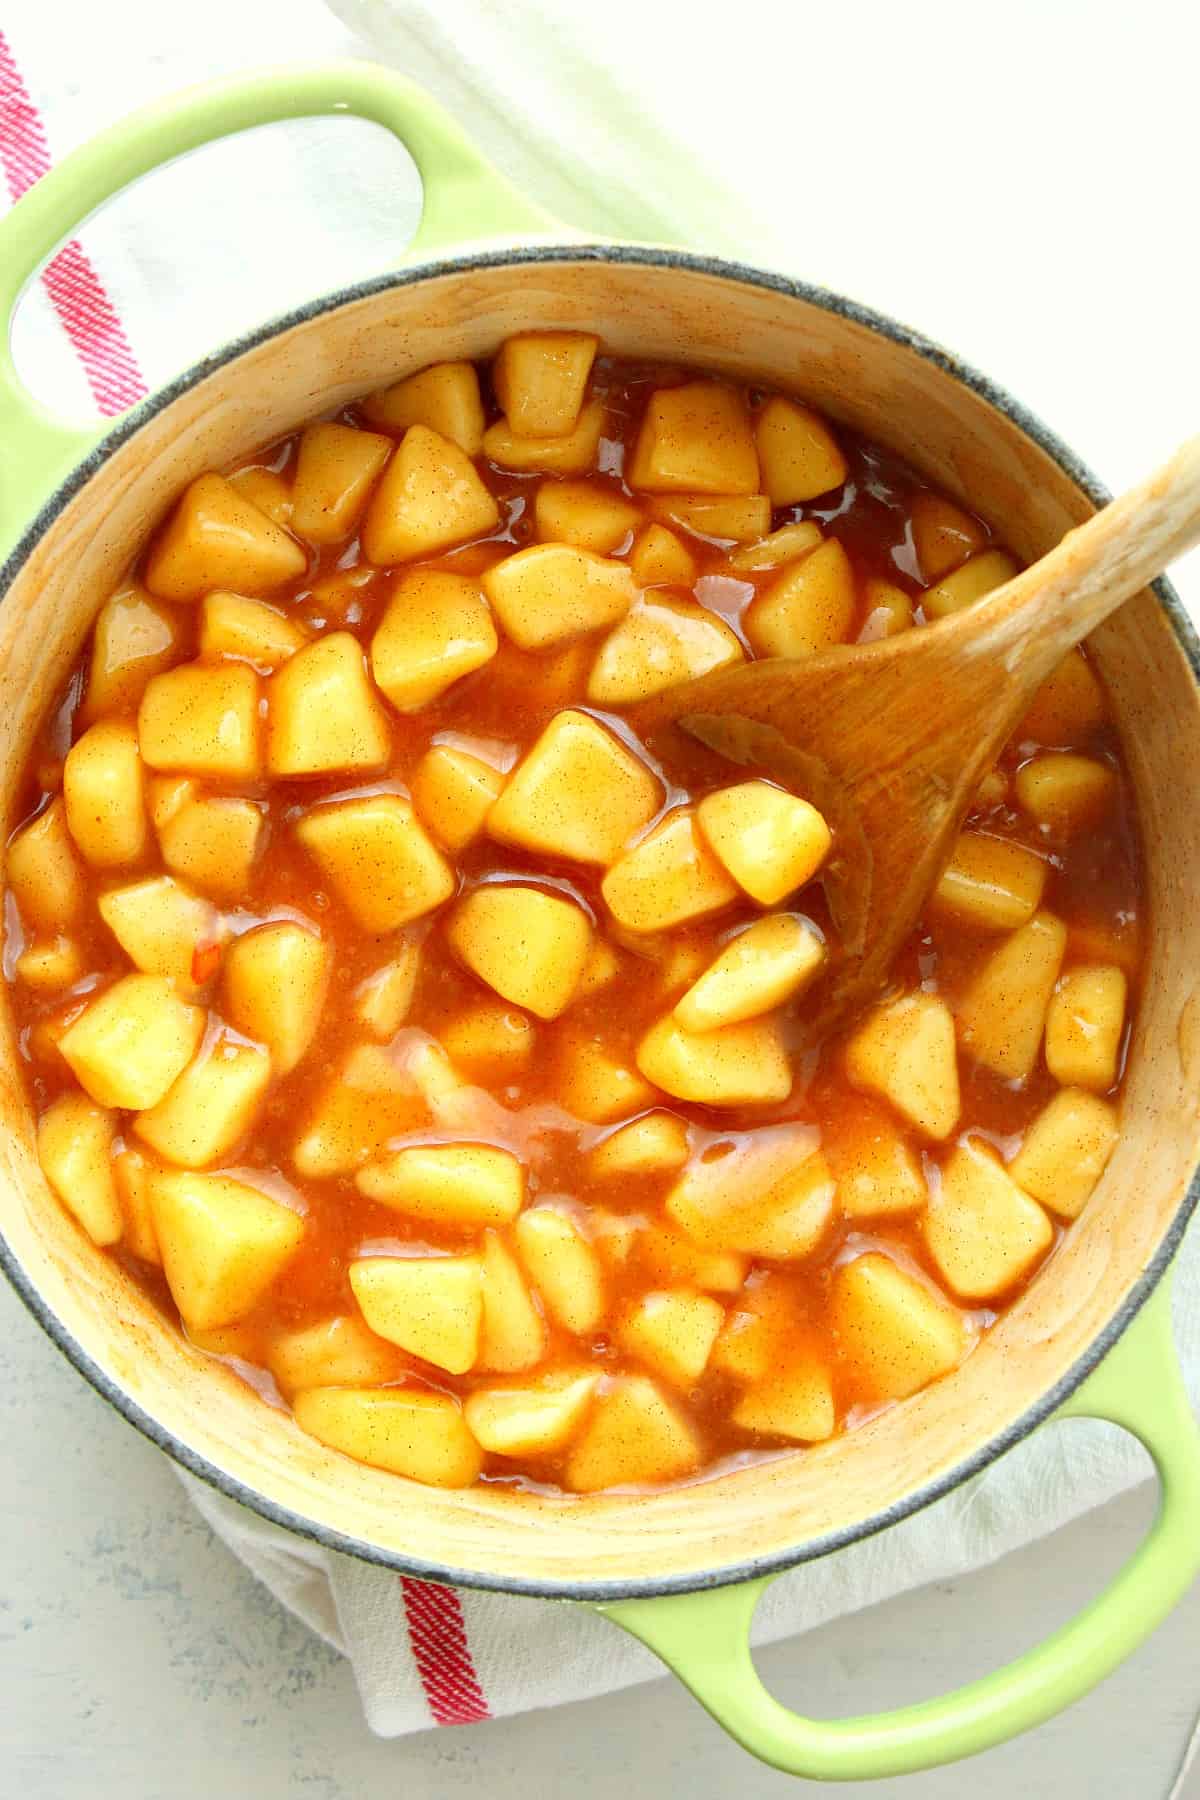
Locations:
(438, 1635)
(76, 292)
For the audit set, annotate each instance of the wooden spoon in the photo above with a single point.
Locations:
(891, 739)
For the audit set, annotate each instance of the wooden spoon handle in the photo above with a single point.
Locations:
(1056, 602)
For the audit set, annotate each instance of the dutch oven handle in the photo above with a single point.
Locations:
(464, 198)
(704, 1637)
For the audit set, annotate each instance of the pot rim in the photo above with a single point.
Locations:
(755, 1568)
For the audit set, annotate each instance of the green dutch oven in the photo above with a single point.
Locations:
(683, 1569)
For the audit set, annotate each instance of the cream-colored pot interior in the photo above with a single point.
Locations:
(890, 391)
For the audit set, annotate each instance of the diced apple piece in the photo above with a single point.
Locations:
(437, 628)
(904, 1051)
(888, 610)
(167, 796)
(382, 864)
(540, 379)
(133, 1173)
(789, 544)
(983, 1233)
(535, 1418)
(594, 1083)
(223, 1243)
(770, 841)
(341, 596)
(445, 397)
(990, 883)
(671, 1257)
(1065, 1151)
(43, 872)
(202, 719)
(47, 1035)
(554, 678)
(563, 1266)
(214, 842)
(134, 637)
(681, 960)
(737, 519)
(659, 559)
(795, 1402)
(217, 538)
(273, 988)
(799, 455)
(490, 1042)
(678, 958)
(1064, 792)
(368, 1100)
(653, 1145)
(615, 1235)
(635, 1435)
(166, 930)
(530, 946)
(603, 965)
(132, 1041)
(432, 1306)
(758, 970)
(550, 593)
(671, 876)
(976, 578)
(450, 1184)
(52, 964)
(454, 792)
(407, 1431)
(323, 713)
(1067, 708)
(772, 1195)
(878, 1175)
(695, 438)
(382, 1001)
(236, 625)
(335, 1352)
(430, 498)
(1085, 1023)
(761, 1330)
(578, 792)
(265, 488)
(894, 1335)
(672, 1332)
(574, 454)
(657, 645)
(210, 1108)
(1002, 1013)
(514, 1332)
(943, 535)
(736, 1065)
(808, 608)
(104, 789)
(74, 1144)
(336, 468)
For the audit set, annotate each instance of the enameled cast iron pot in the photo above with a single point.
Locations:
(681, 1569)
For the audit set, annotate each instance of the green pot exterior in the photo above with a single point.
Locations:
(464, 199)
(702, 1636)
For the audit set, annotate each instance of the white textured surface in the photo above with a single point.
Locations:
(136, 1658)
(138, 1661)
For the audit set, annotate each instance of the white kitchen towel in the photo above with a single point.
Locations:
(1013, 193)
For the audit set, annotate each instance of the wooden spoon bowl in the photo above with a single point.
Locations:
(891, 739)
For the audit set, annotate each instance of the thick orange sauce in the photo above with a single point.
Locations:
(1093, 886)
